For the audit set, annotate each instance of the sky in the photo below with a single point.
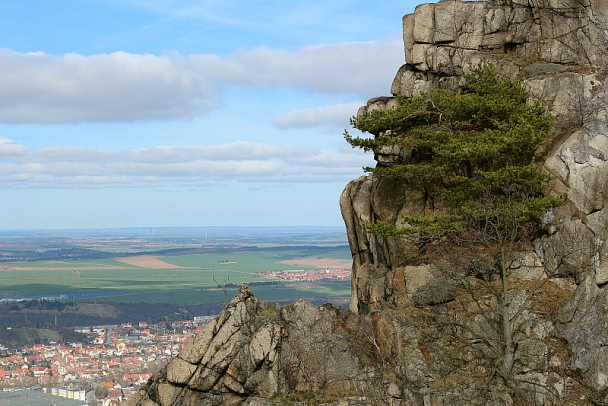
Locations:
(167, 113)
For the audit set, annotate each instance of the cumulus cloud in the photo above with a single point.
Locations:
(336, 114)
(10, 148)
(239, 161)
(42, 88)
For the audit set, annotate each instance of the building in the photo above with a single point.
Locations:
(28, 397)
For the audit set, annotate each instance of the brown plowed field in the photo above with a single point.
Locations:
(69, 268)
(147, 261)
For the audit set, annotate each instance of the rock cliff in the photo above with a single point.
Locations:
(399, 343)
(255, 353)
(557, 47)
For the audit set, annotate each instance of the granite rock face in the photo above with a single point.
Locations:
(254, 351)
(559, 49)
(391, 347)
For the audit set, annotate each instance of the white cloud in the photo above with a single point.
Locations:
(71, 154)
(43, 88)
(336, 114)
(359, 68)
(239, 150)
(240, 161)
(10, 148)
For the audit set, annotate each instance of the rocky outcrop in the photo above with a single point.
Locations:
(559, 48)
(532, 37)
(255, 353)
(409, 337)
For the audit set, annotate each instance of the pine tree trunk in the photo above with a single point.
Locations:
(507, 331)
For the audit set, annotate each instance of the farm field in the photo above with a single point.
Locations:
(179, 271)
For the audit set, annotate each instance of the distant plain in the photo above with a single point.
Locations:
(178, 266)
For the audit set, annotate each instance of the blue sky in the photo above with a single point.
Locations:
(126, 113)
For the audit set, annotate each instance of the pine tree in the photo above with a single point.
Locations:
(467, 147)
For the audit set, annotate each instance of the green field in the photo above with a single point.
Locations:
(280, 292)
(199, 278)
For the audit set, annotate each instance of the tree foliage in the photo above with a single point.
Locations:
(467, 148)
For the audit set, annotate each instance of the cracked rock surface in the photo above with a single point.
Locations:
(254, 351)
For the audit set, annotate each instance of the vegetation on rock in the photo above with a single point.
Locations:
(464, 149)
(473, 153)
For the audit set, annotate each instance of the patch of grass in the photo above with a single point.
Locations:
(548, 299)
